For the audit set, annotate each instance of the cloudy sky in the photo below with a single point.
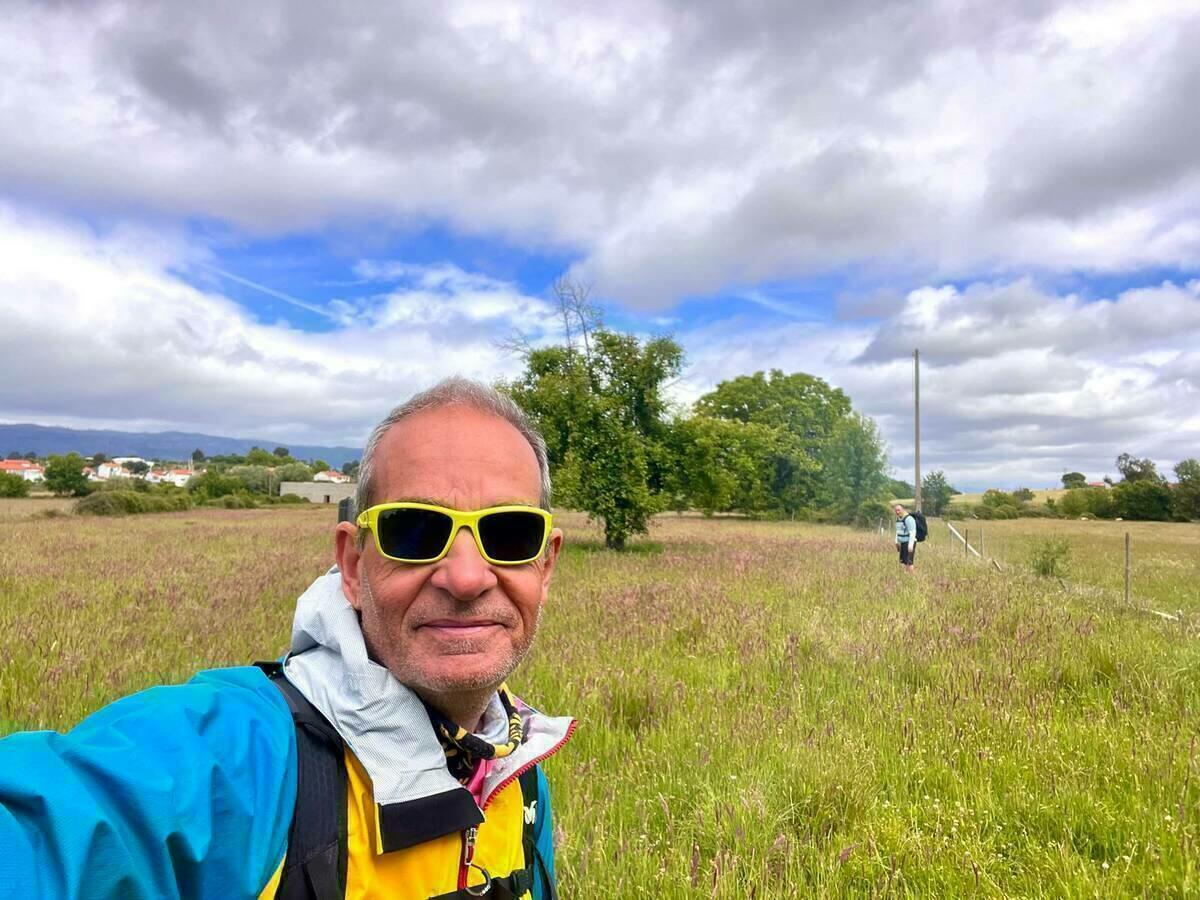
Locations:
(278, 219)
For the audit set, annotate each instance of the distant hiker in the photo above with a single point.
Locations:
(383, 756)
(906, 536)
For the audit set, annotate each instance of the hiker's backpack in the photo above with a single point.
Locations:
(316, 862)
(922, 527)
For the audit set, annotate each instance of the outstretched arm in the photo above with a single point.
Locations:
(183, 791)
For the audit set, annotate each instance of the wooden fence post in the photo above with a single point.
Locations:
(966, 543)
(981, 550)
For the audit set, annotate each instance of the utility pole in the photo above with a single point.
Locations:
(917, 425)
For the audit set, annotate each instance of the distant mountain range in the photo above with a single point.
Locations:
(167, 445)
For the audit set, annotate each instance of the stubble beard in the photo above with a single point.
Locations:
(385, 640)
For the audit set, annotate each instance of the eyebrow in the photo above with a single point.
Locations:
(431, 501)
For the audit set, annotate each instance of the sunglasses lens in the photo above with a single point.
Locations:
(514, 536)
(413, 533)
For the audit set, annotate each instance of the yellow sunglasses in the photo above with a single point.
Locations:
(423, 533)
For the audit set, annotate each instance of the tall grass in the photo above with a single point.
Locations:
(766, 709)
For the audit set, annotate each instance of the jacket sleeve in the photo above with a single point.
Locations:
(543, 836)
(174, 792)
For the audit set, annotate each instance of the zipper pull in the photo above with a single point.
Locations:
(469, 845)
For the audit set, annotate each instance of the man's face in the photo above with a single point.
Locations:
(899, 510)
(459, 624)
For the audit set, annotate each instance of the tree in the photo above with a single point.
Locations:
(98, 458)
(1148, 499)
(257, 479)
(1187, 492)
(294, 471)
(855, 466)
(1134, 469)
(935, 493)
(803, 409)
(1074, 480)
(598, 400)
(900, 490)
(64, 475)
(13, 454)
(282, 452)
(260, 457)
(198, 455)
(350, 468)
(319, 465)
(720, 465)
(212, 484)
(13, 485)
(1023, 495)
(137, 468)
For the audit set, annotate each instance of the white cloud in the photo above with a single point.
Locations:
(1017, 384)
(92, 333)
(677, 148)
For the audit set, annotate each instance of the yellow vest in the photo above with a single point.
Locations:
(430, 869)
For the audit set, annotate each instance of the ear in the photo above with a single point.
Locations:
(553, 545)
(348, 554)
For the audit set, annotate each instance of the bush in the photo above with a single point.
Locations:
(1050, 558)
(958, 511)
(212, 484)
(871, 512)
(1147, 500)
(293, 498)
(232, 501)
(13, 485)
(122, 503)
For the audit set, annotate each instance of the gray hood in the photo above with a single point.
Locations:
(385, 723)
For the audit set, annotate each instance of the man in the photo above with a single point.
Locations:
(384, 758)
(906, 536)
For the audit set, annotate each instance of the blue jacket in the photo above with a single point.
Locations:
(174, 792)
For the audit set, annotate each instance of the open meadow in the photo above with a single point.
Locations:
(767, 709)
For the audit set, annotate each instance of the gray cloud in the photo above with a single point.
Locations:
(677, 147)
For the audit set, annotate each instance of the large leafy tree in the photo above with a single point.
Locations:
(598, 400)
(1073, 480)
(855, 466)
(64, 475)
(802, 409)
(721, 465)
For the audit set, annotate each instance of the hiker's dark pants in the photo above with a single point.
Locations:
(906, 555)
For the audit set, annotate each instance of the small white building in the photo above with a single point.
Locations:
(178, 477)
(111, 469)
(329, 475)
(30, 471)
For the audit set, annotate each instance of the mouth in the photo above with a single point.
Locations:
(458, 629)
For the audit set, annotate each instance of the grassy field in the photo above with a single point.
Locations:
(1165, 556)
(1040, 495)
(766, 709)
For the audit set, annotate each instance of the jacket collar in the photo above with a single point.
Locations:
(386, 726)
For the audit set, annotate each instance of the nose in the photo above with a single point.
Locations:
(463, 573)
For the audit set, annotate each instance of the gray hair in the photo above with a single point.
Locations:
(454, 391)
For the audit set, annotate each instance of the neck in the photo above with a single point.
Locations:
(463, 708)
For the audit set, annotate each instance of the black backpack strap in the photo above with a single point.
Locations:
(315, 865)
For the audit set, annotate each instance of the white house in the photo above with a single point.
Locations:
(30, 471)
(332, 476)
(111, 469)
(177, 477)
